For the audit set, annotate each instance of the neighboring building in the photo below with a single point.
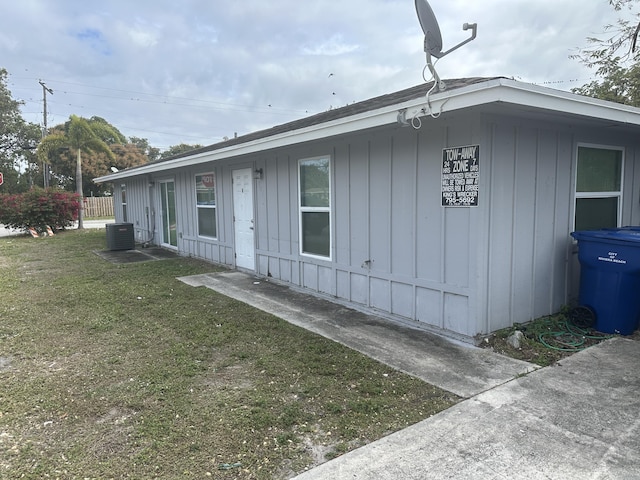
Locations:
(461, 225)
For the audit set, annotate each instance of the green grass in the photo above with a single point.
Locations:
(121, 371)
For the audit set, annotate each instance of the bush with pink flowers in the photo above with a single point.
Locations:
(39, 208)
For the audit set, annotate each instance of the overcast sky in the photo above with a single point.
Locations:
(195, 71)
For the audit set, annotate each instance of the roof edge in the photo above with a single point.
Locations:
(487, 91)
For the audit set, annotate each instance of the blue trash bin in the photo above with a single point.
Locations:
(610, 277)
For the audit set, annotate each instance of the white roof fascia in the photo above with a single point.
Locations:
(339, 126)
(499, 90)
(520, 94)
(534, 96)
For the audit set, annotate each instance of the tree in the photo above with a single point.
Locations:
(619, 85)
(80, 135)
(94, 163)
(17, 138)
(178, 149)
(615, 58)
(617, 46)
(106, 132)
(152, 153)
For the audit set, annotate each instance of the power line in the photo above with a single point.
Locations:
(177, 101)
(135, 129)
(171, 102)
(163, 99)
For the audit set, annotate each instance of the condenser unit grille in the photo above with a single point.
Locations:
(120, 236)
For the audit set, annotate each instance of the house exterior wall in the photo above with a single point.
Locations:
(395, 249)
(117, 203)
(531, 266)
(528, 220)
(139, 212)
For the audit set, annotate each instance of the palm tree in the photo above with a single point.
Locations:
(80, 136)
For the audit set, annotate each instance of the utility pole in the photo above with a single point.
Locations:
(45, 166)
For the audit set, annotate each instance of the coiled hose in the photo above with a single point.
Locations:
(560, 333)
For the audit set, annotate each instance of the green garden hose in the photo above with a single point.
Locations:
(558, 333)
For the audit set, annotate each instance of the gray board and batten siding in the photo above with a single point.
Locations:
(395, 249)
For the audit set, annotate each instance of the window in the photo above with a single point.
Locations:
(206, 204)
(598, 188)
(315, 206)
(123, 194)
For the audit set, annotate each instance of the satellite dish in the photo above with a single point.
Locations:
(433, 37)
(430, 27)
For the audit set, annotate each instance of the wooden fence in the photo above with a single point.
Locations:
(98, 207)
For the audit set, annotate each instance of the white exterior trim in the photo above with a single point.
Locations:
(602, 194)
(328, 209)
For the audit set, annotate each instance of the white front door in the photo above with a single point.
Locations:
(243, 218)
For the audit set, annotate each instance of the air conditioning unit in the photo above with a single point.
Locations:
(120, 236)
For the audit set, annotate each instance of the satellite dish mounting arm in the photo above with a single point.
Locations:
(436, 52)
(433, 37)
(439, 54)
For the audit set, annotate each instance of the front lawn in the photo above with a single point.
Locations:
(121, 371)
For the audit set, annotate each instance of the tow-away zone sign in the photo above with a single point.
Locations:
(460, 174)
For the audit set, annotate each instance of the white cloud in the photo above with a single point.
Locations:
(335, 45)
(142, 37)
(8, 42)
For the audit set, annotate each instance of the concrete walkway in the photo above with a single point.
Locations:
(578, 419)
(460, 369)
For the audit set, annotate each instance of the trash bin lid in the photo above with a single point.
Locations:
(610, 235)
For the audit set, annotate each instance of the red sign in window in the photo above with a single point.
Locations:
(208, 181)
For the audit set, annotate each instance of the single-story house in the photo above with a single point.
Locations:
(446, 209)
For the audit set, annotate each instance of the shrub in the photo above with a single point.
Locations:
(38, 209)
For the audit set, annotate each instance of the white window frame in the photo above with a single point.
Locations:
(207, 207)
(618, 194)
(304, 209)
(123, 202)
